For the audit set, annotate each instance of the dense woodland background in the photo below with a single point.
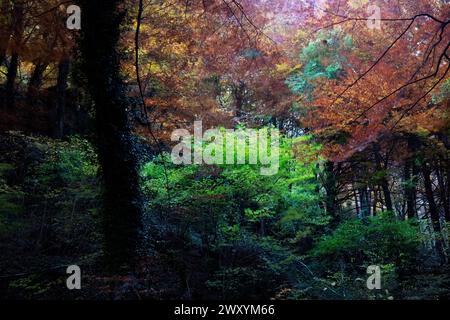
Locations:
(85, 171)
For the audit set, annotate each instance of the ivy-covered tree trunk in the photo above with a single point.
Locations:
(122, 212)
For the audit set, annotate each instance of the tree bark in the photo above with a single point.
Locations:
(61, 88)
(364, 200)
(434, 213)
(445, 176)
(122, 210)
(330, 186)
(410, 182)
(384, 182)
(443, 194)
(239, 96)
(36, 78)
(356, 201)
(411, 174)
(376, 197)
(11, 80)
(11, 77)
(5, 30)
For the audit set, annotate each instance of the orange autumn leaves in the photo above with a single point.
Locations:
(391, 78)
(194, 55)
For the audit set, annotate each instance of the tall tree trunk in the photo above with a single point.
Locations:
(356, 201)
(447, 170)
(410, 182)
(445, 176)
(443, 194)
(330, 185)
(239, 96)
(411, 174)
(61, 88)
(387, 195)
(384, 182)
(5, 29)
(122, 210)
(434, 213)
(364, 200)
(11, 77)
(36, 78)
(376, 197)
(11, 80)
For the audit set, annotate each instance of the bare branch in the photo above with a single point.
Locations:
(421, 98)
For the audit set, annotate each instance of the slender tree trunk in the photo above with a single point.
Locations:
(239, 96)
(61, 88)
(447, 185)
(330, 185)
(375, 202)
(122, 210)
(11, 77)
(36, 78)
(364, 200)
(384, 182)
(356, 202)
(410, 189)
(11, 80)
(445, 176)
(434, 213)
(443, 194)
(411, 173)
(5, 29)
(387, 195)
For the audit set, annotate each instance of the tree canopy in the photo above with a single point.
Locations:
(349, 98)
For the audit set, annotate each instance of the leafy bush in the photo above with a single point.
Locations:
(378, 240)
(245, 225)
(48, 206)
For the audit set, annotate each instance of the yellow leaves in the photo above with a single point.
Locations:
(27, 67)
(423, 131)
(154, 67)
(179, 49)
(296, 68)
(301, 36)
(282, 68)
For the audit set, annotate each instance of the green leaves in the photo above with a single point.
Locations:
(323, 57)
(377, 240)
(253, 222)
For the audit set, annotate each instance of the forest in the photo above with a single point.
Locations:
(224, 149)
